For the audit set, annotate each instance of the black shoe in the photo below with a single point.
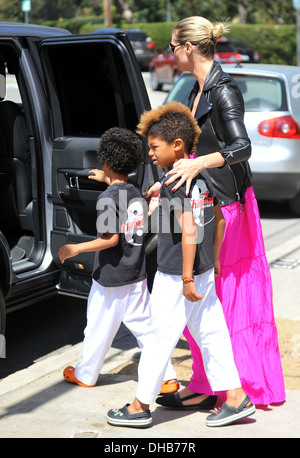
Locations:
(173, 401)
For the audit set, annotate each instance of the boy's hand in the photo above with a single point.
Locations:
(97, 175)
(67, 251)
(153, 204)
(217, 267)
(153, 191)
(190, 293)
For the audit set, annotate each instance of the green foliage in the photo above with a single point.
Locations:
(276, 44)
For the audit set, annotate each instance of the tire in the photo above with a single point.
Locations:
(156, 86)
(295, 205)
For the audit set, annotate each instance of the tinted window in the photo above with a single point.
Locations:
(262, 93)
(136, 36)
(90, 87)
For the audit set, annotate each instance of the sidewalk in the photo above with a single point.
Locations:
(37, 403)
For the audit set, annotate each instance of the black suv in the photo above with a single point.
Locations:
(71, 89)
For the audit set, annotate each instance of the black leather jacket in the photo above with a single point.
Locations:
(220, 115)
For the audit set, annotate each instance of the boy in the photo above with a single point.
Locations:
(183, 290)
(119, 288)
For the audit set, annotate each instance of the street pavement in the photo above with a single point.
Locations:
(38, 403)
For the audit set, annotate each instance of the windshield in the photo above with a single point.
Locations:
(262, 93)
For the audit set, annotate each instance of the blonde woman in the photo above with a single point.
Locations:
(244, 284)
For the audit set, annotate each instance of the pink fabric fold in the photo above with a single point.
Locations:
(244, 288)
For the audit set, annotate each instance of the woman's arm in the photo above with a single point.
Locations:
(228, 116)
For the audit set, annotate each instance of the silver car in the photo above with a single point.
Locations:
(272, 117)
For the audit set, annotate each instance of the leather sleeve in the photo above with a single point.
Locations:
(230, 105)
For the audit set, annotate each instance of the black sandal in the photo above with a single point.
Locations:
(174, 401)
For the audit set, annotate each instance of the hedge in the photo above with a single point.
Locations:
(276, 44)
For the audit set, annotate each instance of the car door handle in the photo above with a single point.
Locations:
(73, 182)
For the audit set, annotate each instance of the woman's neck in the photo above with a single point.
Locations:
(201, 69)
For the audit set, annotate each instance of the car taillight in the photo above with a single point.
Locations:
(150, 45)
(282, 127)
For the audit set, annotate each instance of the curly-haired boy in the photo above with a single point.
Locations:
(119, 290)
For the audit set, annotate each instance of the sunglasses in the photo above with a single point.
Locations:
(172, 47)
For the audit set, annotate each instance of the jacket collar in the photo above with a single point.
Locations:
(211, 81)
(213, 76)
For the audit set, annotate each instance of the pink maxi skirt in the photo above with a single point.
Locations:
(244, 288)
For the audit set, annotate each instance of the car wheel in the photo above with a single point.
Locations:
(295, 205)
(156, 86)
(2, 314)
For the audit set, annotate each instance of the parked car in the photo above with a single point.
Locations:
(164, 70)
(143, 46)
(70, 89)
(272, 117)
(248, 54)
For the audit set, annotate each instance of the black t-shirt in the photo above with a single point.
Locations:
(201, 201)
(120, 210)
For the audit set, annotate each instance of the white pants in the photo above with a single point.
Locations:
(170, 313)
(107, 308)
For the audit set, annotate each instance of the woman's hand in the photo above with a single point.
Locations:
(187, 169)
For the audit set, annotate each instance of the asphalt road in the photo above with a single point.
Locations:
(51, 326)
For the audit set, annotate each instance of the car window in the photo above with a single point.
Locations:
(224, 47)
(181, 90)
(262, 93)
(92, 88)
(133, 36)
(12, 89)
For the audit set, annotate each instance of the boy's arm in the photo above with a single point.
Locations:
(188, 243)
(101, 243)
(219, 234)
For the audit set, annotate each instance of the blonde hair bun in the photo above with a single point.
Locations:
(200, 30)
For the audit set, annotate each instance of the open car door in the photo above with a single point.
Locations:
(93, 83)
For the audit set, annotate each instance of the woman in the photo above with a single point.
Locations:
(244, 284)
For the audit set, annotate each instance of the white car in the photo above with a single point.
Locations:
(272, 117)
